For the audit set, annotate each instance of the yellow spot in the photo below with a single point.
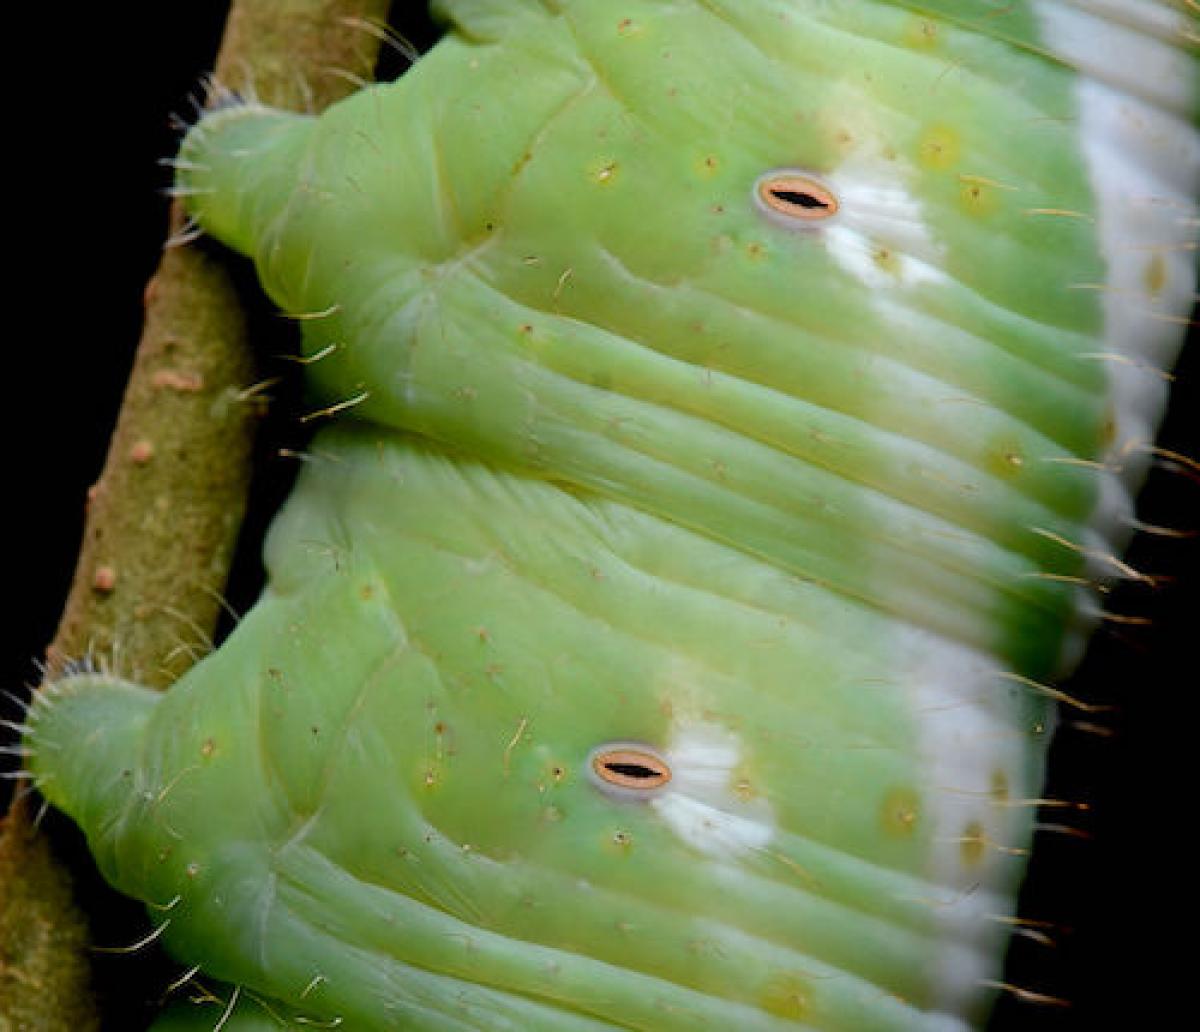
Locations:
(939, 148)
(978, 196)
(604, 172)
(973, 843)
(786, 996)
(208, 748)
(627, 28)
(1005, 459)
(900, 812)
(366, 592)
(756, 250)
(887, 260)
(921, 34)
(1108, 429)
(1156, 275)
(707, 166)
(1000, 789)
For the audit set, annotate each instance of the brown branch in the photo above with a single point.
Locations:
(163, 519)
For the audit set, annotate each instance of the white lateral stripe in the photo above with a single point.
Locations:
(1165, 21)
(1100, 43)
(699, 804)
(1143, 161)
(968, 734)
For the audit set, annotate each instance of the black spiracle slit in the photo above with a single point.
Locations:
(636, 771)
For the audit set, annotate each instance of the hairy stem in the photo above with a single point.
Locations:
(163, 518)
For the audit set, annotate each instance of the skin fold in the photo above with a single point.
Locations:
(731, 413)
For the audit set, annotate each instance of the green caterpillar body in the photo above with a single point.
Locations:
(737, 406)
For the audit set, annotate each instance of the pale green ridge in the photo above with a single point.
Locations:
(491, 20)
(1012, 21)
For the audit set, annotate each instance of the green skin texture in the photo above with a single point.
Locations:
(613, 453)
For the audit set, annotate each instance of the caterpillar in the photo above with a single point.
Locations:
(728, 446)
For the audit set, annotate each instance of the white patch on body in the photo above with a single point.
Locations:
(700, 804)
(1135, 46)
(1135, 99)
(968, 735)
(879, 234)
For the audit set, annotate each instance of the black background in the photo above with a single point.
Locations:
(89, 199)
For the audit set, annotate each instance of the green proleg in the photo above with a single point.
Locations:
(733, 419)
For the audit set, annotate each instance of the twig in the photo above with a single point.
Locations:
(163, 519)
